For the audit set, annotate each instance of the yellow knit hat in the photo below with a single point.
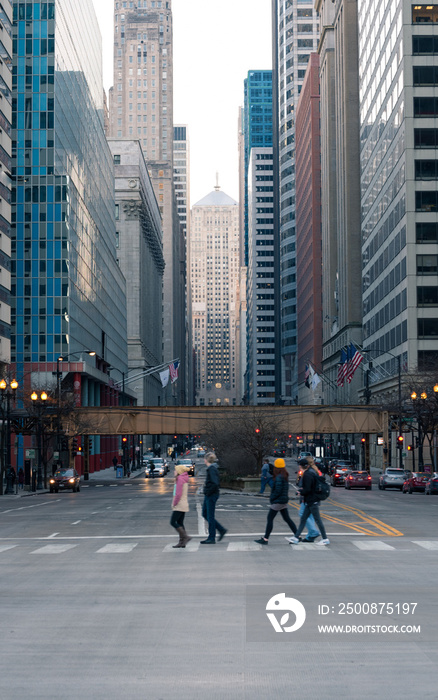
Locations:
(279, 463)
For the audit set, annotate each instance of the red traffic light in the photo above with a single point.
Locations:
(363, 441)
(400, 439)
(124, 439)
(257, 430)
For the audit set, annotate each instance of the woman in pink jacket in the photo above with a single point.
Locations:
(180, 504)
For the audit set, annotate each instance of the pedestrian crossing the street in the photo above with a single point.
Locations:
(233, 546)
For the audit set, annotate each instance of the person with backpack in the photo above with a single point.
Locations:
(312, 531)
(313, 490)
(278, 500)
(266, 476)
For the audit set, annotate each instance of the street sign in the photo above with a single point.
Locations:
(30, 454)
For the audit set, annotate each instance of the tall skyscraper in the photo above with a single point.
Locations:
(257, 125)
(398, 75)
(139, 242)
(308, 223)
(260, 281)
(69, 293)
(5, 181)
(214, 256)
(295, 36)
(141, 107)
(341, 207)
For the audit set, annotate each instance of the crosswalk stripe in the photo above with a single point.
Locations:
(5, 547)
(306, 546)
(426, 544)
(373, 545)
(54, 549)
(244, 547)
(190, 547)
(115, 548)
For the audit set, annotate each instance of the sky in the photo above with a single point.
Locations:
(216, 43)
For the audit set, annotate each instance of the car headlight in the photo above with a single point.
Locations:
(71, 481)
(52, 481)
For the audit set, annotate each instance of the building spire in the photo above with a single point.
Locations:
(217, 186)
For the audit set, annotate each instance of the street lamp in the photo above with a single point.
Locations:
(423, 397)
(5, 392)
(43, 397)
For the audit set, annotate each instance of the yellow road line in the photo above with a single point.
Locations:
(387, 529)
(337, 521)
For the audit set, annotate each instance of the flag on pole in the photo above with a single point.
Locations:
(342, 368)
(173, 369)
(307, 376)
(315, 380)
(164, 376)
(354, 360)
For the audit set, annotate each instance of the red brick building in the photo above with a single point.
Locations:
(308, 230)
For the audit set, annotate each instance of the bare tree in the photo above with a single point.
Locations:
(244, 438)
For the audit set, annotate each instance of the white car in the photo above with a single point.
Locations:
(159, 469)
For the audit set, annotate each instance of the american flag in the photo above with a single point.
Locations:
(354, 360)
(342, 368)
(173, 369)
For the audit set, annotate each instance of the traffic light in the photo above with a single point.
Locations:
(363, 441)
(409, 448)
(124, 440)
(400, 439)
(257, 431)
(64, 444)
(74, 446)
(90, 444)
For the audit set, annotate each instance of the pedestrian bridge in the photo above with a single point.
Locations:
(178, 420)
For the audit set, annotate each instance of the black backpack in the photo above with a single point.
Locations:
(271, 468)
(322, 488)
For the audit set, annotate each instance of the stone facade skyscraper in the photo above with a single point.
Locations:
(141, 108)
(214, 256)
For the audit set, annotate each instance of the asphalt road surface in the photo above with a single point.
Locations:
(96, 605)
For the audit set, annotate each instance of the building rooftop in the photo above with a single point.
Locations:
(216, 198)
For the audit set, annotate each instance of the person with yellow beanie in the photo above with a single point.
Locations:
(278, 500)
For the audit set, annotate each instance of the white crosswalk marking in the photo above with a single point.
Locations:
(244, 547)
(54, 549)
(5, 547)
(190, 547)
(305, 546)
(426, 544)
(372, 545)
(115, 548)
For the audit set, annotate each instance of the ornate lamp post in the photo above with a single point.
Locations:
(5, 392)
(63, 358)
(43, 398)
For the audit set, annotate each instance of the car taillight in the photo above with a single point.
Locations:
(336, 476)
(368, 477)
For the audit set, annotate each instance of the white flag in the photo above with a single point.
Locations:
(315, 381)
(164, 376)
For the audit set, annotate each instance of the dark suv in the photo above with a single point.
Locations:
(65, 479)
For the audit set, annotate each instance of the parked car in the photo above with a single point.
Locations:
(416, 482)
(155, 468)
(65, 479)
(393, 478)
(358, 480)
(189, 463)
(339, 475)
(431, 485)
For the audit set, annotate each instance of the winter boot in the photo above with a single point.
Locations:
(181, 543)
(185, 539)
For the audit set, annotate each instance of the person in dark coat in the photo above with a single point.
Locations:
(278, 500)
(211, 494)
(308, 489)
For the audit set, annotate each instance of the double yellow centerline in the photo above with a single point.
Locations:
(379, 527)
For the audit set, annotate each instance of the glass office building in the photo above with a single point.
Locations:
(257, 124)
(68, 292)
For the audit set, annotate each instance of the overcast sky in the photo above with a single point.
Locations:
(216, 43)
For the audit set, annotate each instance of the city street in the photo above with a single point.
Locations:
(96, 604)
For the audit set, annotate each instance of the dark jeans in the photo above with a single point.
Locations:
(177, 519)
(208, 513)
(263, 482)
(271, 517)
(312, 509)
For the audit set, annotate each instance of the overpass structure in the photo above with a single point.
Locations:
(177, 420)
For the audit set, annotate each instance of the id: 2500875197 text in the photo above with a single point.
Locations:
(364, 608)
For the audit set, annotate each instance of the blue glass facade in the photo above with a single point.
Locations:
(257, 123)
(68, 292)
